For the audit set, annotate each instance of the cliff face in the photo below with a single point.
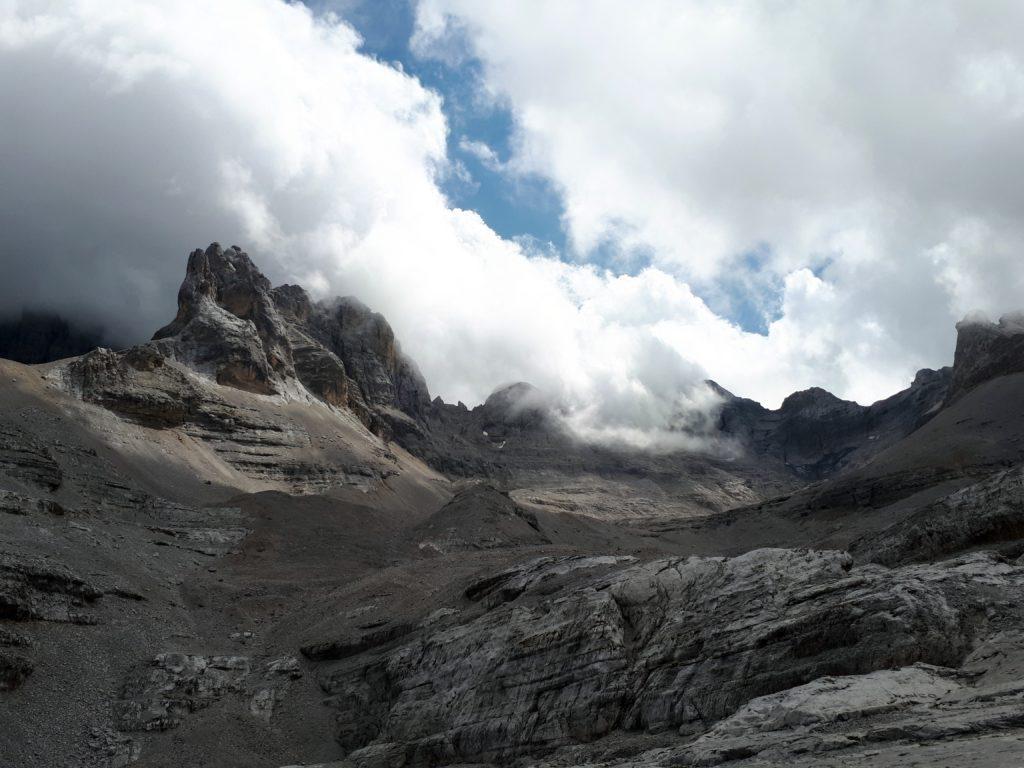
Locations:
(986, 350)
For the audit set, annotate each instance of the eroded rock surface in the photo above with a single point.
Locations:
(34, 589)
(671, 644)
(158, 696)
(986, 514)
(224, 546)
(985, 350)
(254, 337)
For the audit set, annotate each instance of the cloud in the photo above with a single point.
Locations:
(145, 129)
(870, 150)
(486, 156)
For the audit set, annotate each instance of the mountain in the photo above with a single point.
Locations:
(985, 350)
(255, 540)
(40, 337)
(815, 434)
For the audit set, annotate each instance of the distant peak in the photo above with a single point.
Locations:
(719, 390)
(513, 392)
(813, 398)
(519, 403)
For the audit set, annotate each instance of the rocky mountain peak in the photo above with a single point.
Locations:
(985, 350)
(227, 323)
(233, 324)
(812, 401)
(293, 302)
(515, 395)
(719, 390)
(519, 405)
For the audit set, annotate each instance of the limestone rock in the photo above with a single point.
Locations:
(138, 384)
(16, 504)
(778, 720)
(26, 460)
(988, 513)
(366, 344)
(986, 350)
(158, 696)
(568, 651)
(36, 589)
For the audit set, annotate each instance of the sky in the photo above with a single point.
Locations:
(611, 200)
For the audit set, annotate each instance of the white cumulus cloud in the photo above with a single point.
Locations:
(875, 144)
(134, 131)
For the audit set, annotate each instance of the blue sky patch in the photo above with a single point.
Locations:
(528, 208)
(513, 205)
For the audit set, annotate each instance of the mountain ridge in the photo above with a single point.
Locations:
(254, 541)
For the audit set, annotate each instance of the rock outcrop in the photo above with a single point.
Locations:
(36, 590)
(567, 651)
(173, 685)
(234, 325)
(987, 515)
(986, 350)
(479, 517)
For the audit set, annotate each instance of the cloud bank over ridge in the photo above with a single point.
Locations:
(858, 158)
(144, 129)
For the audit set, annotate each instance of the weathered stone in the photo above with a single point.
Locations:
(159, 695)
(26, 460)
(988, 514)
(16, 504)
(986, 350)
(227, 322)
(14, 669)
(36, 589)
(568, 653)
(770, 722)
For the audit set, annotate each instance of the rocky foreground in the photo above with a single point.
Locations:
(257, 541)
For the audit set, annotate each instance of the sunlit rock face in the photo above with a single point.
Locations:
(234, 325)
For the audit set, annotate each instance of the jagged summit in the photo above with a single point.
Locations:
(813, 400)
(233, 324)
(227, 321)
